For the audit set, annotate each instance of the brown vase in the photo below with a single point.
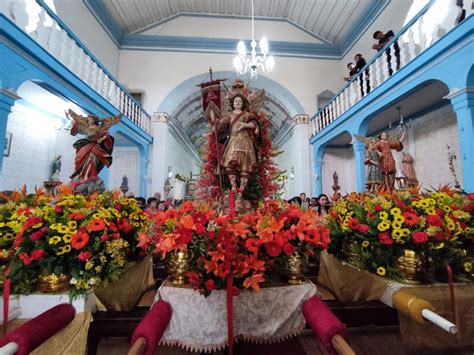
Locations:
(297, 266)
(412, 267)
(178, 265)
(349, 250)
(49, 283)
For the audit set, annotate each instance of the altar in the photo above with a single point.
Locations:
(199, 323)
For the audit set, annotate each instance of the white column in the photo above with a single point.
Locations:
(302, 146)
(159, 170)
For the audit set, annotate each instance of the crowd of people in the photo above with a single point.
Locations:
(320, 204)
(155, 204)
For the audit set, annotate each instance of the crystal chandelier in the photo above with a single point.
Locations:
(244, 63)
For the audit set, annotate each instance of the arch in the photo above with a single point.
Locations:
(188, 87)
(470, 77)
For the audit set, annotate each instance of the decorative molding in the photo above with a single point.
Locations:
(301, 119)
(10, 92)
(162, 117)
(454, 92)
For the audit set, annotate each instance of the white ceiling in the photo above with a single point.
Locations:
(330, 20)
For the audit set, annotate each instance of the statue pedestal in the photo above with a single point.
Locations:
(51, 186)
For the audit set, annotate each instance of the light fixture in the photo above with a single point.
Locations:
(170, 172)
(244, 63)
(399, 108)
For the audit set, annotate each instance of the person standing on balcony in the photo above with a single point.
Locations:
(384, 145)
(352, 71)
(360, 63)
(383, 39)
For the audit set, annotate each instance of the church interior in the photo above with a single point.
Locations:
(237, 176)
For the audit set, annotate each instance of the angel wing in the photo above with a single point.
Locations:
(364, 139)
(257, 99)
(80, 120)
(109, 122)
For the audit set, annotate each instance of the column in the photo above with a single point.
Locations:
(159, 170)
(359, 154)
(463, 105)
(143, 156)
(7, 100)
(303, 165)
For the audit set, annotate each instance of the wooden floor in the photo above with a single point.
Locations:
(370, 341)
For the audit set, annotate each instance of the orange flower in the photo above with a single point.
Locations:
(187, 206)
(79, 240)
(253, 281)
(187, 222)
(96, 225)
(171, 214)
(239, 229)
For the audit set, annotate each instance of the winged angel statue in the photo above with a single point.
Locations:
(95, 151)
(238, 121)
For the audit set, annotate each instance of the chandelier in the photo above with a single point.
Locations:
(244, 63)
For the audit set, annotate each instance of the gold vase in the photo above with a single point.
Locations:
(412, 267)
(178, 265)
(349, 250)
(49, 283)
(297, 266)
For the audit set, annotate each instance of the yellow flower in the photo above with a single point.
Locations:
(439, 246)
(450, 224)
(405, 232)
(2, 224)
(398, 218)
(98, 268)
(461, 214)
(365, 244)
(9, 236)
(64, 249)
(89, 265)
(63, 229)
(72, 224)
(430, 211)
(397, 233)
(67, 238)
(395, 211)
(3, 254)
(383, 226)
(468, 266)
(383, 215)
(423, 203)
(396, 225)
(96, 216)
(381, 271)
(54, 240)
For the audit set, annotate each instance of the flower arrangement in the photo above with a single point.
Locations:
(252, 248)
(436, 224)
(181, 178)
(87, 238)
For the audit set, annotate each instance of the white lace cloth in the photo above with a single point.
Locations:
(199, 323)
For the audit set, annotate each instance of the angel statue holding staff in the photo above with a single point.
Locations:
(384, 145)
(95, 151)
(243, 133)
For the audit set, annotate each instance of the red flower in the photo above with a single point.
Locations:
(209, 285)
(84, 255)
(199, 228)
(185, 236)
(288, 249)
(76, 216)
(79, 240)
(400, 204)
(31, 221)
(112, 227)
(384, 238)
(363, 228)
(434, 220)
(96, 225)
(273, 249)
(200, 218)
(118, 206)
(25, 258)
(187, 206)
(411, 218)
(35, 236)
(124, 225)
(251, 245)
(37, 254)
(58, 209)
(104, 237)
(353, 223)
(420, 237)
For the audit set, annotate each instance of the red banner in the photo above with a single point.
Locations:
(211, 92)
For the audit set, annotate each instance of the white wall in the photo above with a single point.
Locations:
(84, 25)
(125, 162)
(179, 159)
(232, 29)
(161, 72)
(341, 161)
(35, 143)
